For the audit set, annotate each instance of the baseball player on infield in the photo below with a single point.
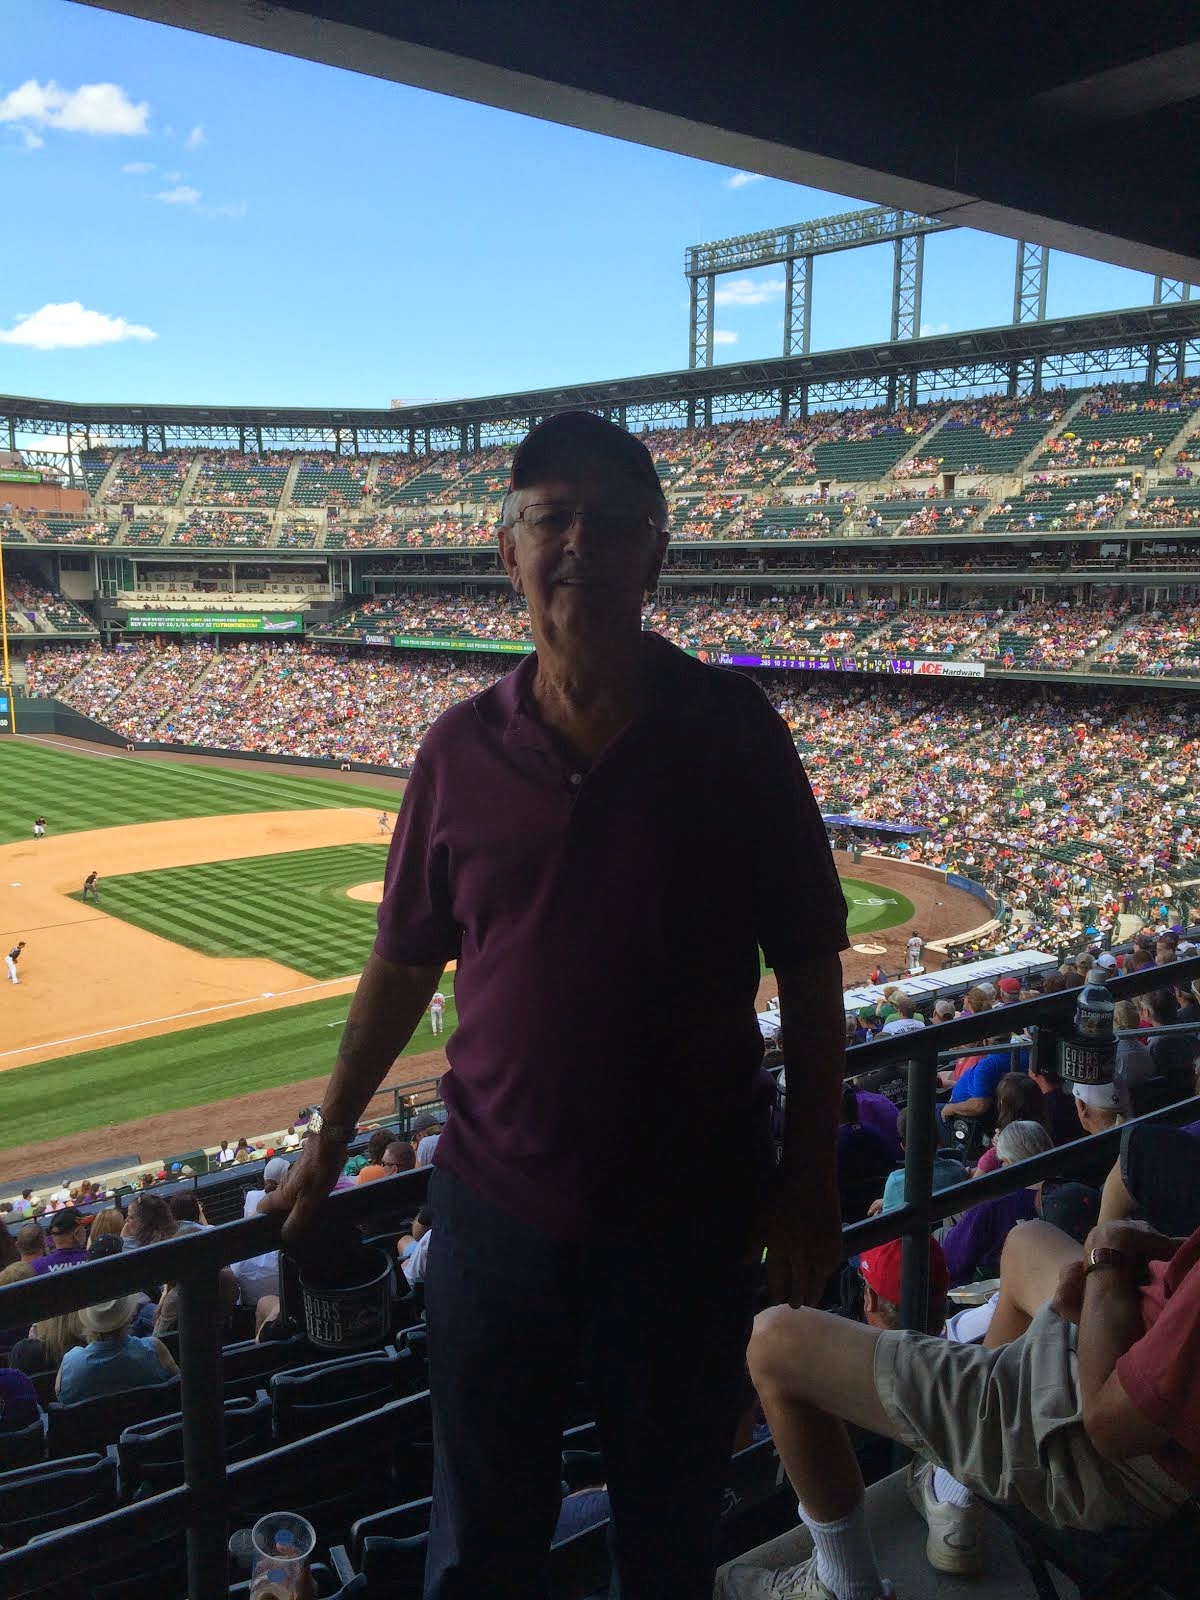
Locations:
(91, 887)
(437, 1005)
(11, 959)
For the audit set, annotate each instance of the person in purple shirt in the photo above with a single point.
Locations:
(602, 841)
(68, 1234)
(972, 1246)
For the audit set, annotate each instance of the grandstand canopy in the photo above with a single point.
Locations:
(1073, 126)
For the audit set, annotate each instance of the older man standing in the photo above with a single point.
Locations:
(602, 841)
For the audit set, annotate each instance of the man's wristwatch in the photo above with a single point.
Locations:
(1105, 1255)
(331, 1132)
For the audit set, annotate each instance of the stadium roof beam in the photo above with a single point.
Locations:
(1073, 125)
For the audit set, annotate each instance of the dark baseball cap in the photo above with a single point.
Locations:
(572, 439)
(65, 1221)
(1073, 1207)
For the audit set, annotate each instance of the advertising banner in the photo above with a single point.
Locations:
(508, 647)
(19, 475)
(215, 622)
(5, 712)
(924, 669)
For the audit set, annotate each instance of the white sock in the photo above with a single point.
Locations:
(845, 1559)
(948, 1490)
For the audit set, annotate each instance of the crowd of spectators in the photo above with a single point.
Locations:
(34, 602)
(148, 477)
(216, 526)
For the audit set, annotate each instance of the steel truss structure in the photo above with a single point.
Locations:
(1149, 342)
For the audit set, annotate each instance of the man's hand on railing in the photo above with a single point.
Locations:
(306, 1188)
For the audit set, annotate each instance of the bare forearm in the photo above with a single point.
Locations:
(1110, 1322)
(387, 1005)
(813, 1029)
(977, 1107)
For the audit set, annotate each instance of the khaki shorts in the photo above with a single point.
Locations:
(1008, 1423)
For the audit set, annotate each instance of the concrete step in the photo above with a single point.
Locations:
(898, 1535)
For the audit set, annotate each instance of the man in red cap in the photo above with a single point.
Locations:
(610, 809)
(879, 1270)
(1009, 990)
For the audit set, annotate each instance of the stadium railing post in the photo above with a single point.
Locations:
(919, 1150)
(203, 1430)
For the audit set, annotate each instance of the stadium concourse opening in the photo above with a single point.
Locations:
(963, 567)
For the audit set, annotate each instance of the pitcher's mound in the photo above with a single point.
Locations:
(370, 892)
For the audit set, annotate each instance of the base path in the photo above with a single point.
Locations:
(89, 980)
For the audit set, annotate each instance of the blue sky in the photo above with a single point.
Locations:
(218, 224)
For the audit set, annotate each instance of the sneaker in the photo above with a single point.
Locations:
(744, 1582)
(954, 1543)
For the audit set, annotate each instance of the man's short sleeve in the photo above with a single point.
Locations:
(800, 910)
(979, 1082)
(416, 925)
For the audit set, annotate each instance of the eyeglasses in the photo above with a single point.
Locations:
(550, 519)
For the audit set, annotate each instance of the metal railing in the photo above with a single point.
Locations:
(199, 1507)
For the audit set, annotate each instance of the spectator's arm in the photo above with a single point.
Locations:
(1116, 1202)
(1111, 1322)
(977, 1106)
(165, 1357)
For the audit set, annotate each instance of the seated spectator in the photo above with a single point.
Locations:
(53, 1337)
(274, 1173)
(427, 1130)
(946, 1172)
(148, 1220)
(1018, 1099)
(31, 1242)
(291, 1139)
(413, 1248)
(224, 1155)
(974, 1093)
(879, 1273)
(166, 1315)
(398, 1157)
(973, 1244)
(373, 1157)
(243, 1153)
(1172, 1052)
(877, 1112)
(106, 1223)
(15, 1272)
(863, 1159)
(906, 1020)
(113, 1359)
(18, 1400)
(1110, 1444)
(1098, 1106)
(1156, 1178)
(1187, 1009)
(1058, 1107)
(189, 1216)
(67, 1236)
(8, 1248)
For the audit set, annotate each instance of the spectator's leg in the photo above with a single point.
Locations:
(503, 1343)
(1031, 1262)
(669, 1340)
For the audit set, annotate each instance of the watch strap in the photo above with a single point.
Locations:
(1103, 1255)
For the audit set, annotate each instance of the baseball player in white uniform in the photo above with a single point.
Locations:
(437, 1006)
(384, 825)
(912, 950)
(11, 959)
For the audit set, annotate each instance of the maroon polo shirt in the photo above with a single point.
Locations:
(606, 921)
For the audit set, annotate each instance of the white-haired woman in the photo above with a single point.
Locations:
(972, 1246)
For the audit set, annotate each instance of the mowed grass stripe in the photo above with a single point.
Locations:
(193, 1067)
(290, 908)
(76, 792)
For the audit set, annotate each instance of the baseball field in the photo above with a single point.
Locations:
(203, 995)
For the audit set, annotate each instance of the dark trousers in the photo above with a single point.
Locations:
(1160, 1167)
(514, 1317)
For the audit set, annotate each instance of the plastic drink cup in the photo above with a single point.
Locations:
(282, 1544)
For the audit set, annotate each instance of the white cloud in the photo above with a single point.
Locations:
(932, 329)
(196, 138)
(235, 209)
(71, 326)
(739, 180)
(29, 139)
(181, 195)
(724, 336)
(173, 177)
(747, 291)
(99, 108)
(138, 168)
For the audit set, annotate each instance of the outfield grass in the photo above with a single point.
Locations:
(291, 908)
(194, 1067)
(870, 908)
(74, 792)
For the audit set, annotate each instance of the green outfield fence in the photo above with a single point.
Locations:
(199, 1508)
